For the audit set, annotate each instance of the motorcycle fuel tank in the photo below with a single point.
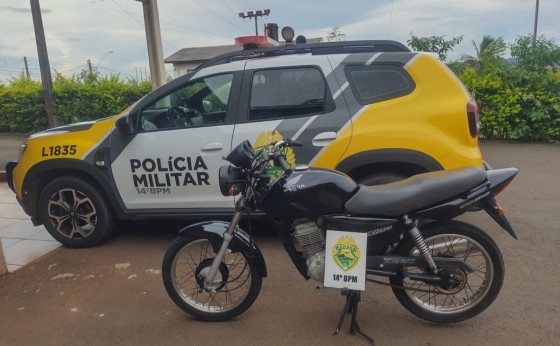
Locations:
(308, 192)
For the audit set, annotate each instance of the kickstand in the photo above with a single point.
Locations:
(351, 306)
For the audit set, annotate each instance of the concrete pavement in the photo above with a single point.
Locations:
(22, 242)
(9, 149)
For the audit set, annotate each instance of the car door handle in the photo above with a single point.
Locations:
(323, 139)
(211, 148)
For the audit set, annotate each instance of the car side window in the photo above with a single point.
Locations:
(374, 83)
(201, 102)
(287, 92)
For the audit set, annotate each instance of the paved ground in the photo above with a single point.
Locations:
(21, 241)
(113, 294)
(9, 149)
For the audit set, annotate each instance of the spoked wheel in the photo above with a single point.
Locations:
(466, 294)
(185, 265)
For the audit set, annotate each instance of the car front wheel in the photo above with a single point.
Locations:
(75, 213)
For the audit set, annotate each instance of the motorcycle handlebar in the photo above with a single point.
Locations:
(293, 143)
(278, 156)
(287, 143)
(281, 161)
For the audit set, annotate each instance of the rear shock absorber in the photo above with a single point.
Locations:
(419, 242)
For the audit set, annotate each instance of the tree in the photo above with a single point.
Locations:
(335, 35)
(434, 44)
(544, 54)
(489, 51)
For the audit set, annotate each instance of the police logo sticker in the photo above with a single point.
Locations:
(345, 265)
(346, 253)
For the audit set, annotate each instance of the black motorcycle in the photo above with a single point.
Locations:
(442, 271)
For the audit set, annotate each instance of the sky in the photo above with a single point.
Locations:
(111, 34)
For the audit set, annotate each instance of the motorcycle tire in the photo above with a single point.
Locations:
(472, 293)
(184, 265)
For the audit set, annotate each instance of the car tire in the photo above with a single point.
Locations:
(381, 178)
(75, 212)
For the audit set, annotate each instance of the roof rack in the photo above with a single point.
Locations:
(313, 48)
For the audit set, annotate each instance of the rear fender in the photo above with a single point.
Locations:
(499, 178)
(214, 232)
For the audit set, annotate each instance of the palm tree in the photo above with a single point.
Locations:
(489, 50)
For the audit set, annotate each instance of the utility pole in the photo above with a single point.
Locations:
(153, 39)
(536, 22)
(255, 14)
(89, 66)
(46, 78)
(26, 67)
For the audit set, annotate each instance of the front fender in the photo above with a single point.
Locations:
(214, 232)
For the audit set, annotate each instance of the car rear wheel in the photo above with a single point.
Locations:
(75, 213)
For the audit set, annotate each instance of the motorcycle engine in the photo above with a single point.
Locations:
(312, 239)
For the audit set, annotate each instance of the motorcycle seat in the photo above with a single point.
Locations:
(416, 192)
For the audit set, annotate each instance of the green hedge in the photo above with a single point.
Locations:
(78, 98)
(515, 102)
(22, 108)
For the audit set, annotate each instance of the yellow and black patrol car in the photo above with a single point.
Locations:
(371, 109)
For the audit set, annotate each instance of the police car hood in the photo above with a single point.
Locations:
(82, 126)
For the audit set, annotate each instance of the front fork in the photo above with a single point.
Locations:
(209, 280)
(419, 241)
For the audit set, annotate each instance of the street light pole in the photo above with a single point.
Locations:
(255, 14)
(99, 63)
(46, 77)
(153, 39)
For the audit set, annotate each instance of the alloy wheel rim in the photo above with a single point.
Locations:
(72, 213)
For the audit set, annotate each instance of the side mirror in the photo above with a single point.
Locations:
(124, 125)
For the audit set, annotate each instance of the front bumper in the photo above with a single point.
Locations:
(10, 166)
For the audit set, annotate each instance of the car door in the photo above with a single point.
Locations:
(296, 97)
(173, 159)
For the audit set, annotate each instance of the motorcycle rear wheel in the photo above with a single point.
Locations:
(184, 265)
(474, 291)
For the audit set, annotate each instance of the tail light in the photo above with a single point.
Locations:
(474, 118)
(502, 186)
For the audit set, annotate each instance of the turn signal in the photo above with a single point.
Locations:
(500, 210)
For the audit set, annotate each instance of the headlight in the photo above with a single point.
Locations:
(231, 180)
(21, 151)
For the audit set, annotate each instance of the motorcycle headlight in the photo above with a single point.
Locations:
(231, 180)
(242, 155)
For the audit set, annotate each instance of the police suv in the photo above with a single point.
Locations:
(371, 109)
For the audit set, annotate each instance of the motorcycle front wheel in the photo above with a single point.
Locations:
(472, 292)
(185, 264)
